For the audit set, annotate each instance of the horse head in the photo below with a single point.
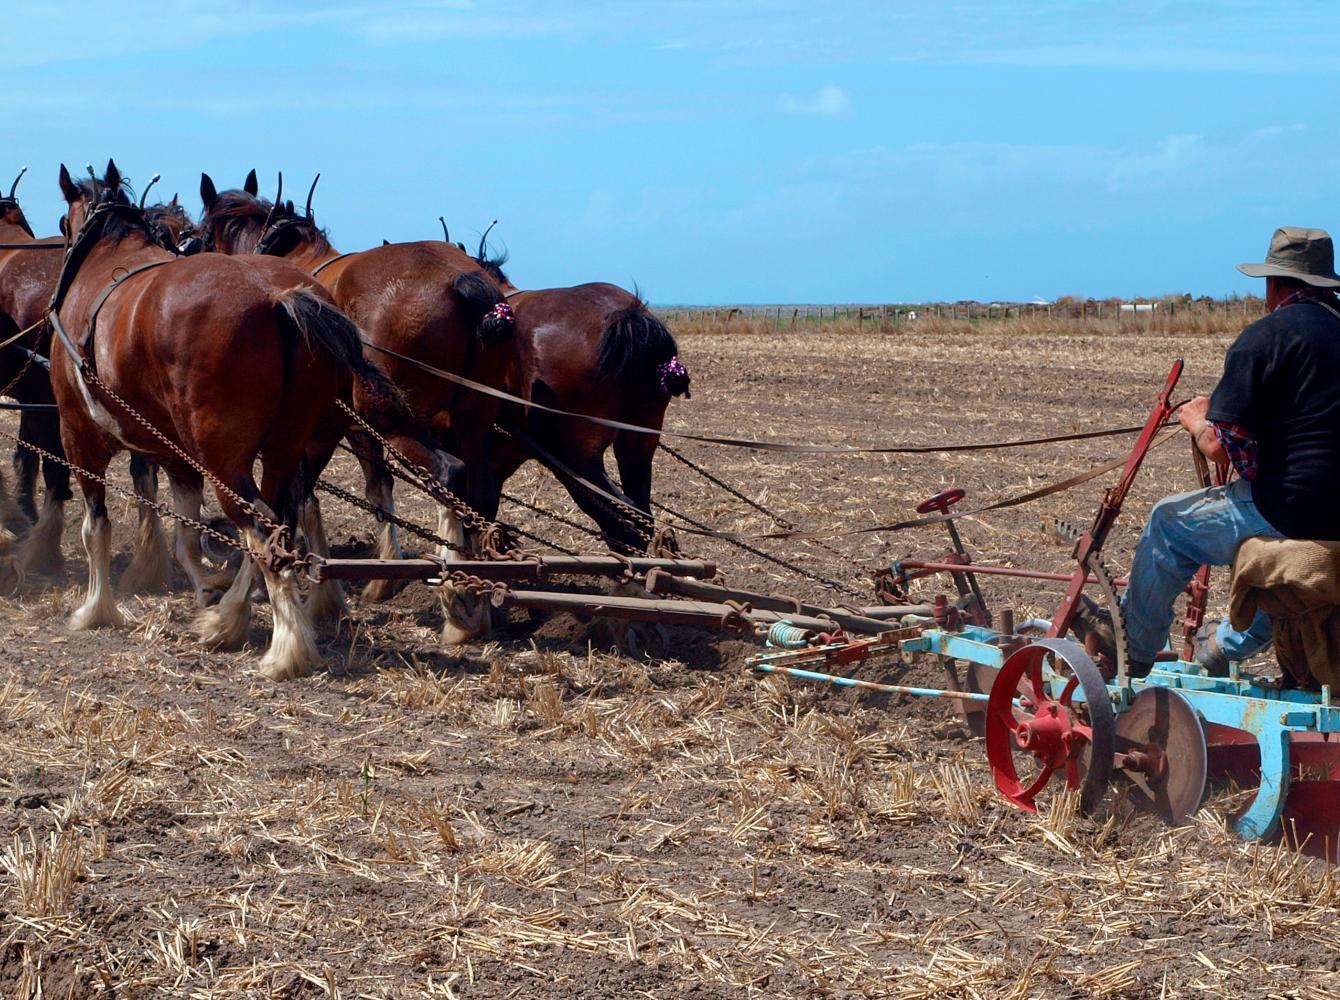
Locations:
(85, 196)
(10, 212)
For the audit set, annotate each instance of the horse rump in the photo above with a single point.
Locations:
(485, 306)
(305, 315)
(637, 346)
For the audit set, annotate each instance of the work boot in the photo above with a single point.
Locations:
(1092, 619)
(1208, 653)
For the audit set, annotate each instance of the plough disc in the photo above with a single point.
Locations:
(1071, 735)
(1161, 754)
(1311, 818)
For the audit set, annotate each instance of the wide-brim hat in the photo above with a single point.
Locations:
(1302, 254)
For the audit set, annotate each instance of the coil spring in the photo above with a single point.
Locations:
(784, 635)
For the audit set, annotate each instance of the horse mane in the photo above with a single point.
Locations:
(492, 265)
(166, 211)
(121, 224)
(239, 219)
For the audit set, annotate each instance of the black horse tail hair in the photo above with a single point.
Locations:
(305, 316)
(485, 305)
(638, 346)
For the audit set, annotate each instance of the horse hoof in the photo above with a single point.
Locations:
(279, 672)
(219, 629)
(381, 590)
(96, 616)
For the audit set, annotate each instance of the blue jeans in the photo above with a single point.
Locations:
(1185, 532)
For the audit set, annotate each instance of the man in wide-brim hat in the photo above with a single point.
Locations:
(1275, 416)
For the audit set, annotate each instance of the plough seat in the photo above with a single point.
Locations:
(1297, 583)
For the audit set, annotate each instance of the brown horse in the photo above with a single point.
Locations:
(27, 281)
(27, 278)
(208, 357)
(594, 349)
(429, 301)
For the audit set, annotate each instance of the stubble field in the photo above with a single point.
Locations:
(541, 816)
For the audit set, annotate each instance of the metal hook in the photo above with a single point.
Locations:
(145, 193)
(446, 236)
(483, 240)
(15, 185)
(97, 188)
(310, 191)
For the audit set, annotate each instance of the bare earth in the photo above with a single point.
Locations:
(543, 817)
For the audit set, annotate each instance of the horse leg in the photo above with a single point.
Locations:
(41, 546)
(187, 499)
(225, 624)
(465, 615)
(620, 527)
(378, 488)
(149, 565)
(293, 650)
(99, 609)
(634, 454)
(26, 464)
(325, 601)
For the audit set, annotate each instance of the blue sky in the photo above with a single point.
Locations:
(759, 151)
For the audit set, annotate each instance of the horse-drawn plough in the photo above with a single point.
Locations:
(1053, 714)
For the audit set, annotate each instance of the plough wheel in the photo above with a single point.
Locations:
(1161, 753)
(980, 678)
(1072, 735)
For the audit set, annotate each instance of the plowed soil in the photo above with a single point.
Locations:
(546, 816)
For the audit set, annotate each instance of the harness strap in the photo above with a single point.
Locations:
(325, 264)
(82, 353)
(783, 446)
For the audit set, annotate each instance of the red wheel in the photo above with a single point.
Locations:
(1054, 736)
(941, 502)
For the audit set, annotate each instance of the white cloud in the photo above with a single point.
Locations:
(829, 101)
(1273, 130)
(1173, 154)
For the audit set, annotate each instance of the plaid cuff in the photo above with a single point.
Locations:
(1241, 448)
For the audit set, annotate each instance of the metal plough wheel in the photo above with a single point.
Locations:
(1161, 754)
(1049, 716)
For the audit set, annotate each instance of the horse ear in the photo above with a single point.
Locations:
(174, 202)
(251, 186)
(208, 195)
(112, 179)
(68, 186)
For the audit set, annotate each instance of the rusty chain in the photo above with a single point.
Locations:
(121, 491)
(279, 551)
(492, 541)
(19, 377)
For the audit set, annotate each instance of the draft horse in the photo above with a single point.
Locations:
(594, 349)
(207, 357)
(27, 281)
(27, 278)
(428, 301)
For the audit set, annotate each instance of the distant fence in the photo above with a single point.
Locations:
(782, 316)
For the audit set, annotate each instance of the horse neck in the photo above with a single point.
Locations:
(132, 248)
(12, 232)
(309, 256)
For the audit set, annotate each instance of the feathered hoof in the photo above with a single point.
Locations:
(222, 626)
(468, 619)
(11, 575)
(102, 614)
(325, 602)
(382, 590)
(147, 572)
(286, 666)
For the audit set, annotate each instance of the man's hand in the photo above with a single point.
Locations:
(1192, 417)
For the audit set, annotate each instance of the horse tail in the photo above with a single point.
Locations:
(638, 347)
(306, 316)
(485, 306)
